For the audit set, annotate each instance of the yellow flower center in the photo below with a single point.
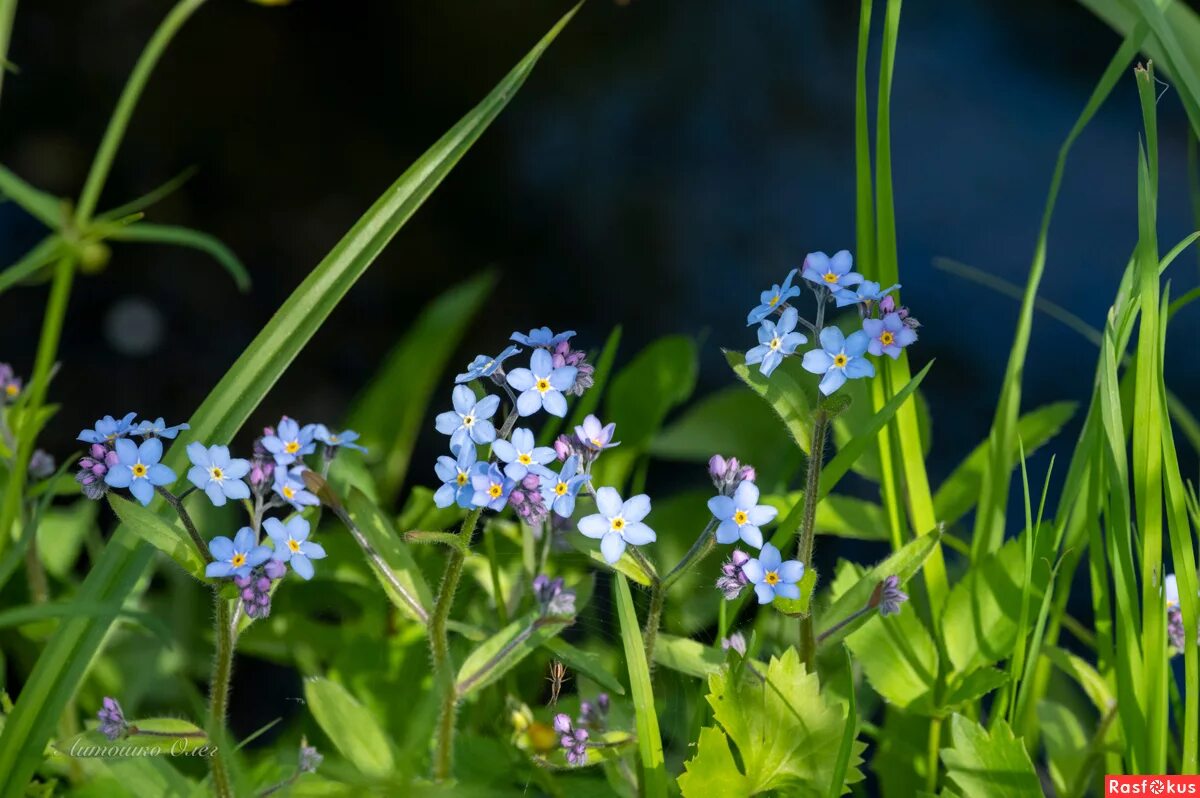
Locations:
(238, 560)
(772, 578)
(461, 479)
(776, 343)
(495, 490)
(11, 389)
(830, 277)
(560, 489)
(840, 361)
(293, 545)
(216, 473)
(139, 470)
(289, 492)
(597, 442)
(740, 517)
(334, 440)
(542, 385)
(774, 301)
(524, 459)
(618, 524)
(887, 339)
(291, 447)
(468, 420)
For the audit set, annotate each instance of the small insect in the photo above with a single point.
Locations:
(558, 675)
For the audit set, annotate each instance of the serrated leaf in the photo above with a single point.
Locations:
(985, 765)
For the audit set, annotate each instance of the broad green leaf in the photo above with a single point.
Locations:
(115, 575)
(146, 233)
(958, 493)
(1066, 742)
(170, 539)
(626, 565)
(974, 685)
(501, 652)
(661, 377)
(791, 392)
(899, 658)
(1094, 685)
(390, 559)
(584, 663)
(984, 765)
(901, 760)
(650, 747)
(687, 656)
(786, 733)
(838, 515)
(350, 726)
(389, 413)
(143, 775)
(60, 535)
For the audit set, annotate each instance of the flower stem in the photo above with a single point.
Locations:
(658, 595)
(218, 696)
(439, 645)
(182, 512)
(699, 550)
(804, 550)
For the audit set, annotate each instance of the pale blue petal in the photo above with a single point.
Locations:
(791, 571)
(612, 546)
(608, 502)
(817, 361)
(765, 593)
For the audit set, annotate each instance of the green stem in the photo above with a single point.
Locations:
(218, 697)
(119, 122)
(935, 744)
(699, 550)
(658, 595)
(439, 645)
(804, 550)
(8, 12)
(182, 512)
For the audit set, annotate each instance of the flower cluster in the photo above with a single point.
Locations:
(1176, 633)
(885, 328)
(112, 719)
(10, 384)
(517, 473)
(573, 739)
(552, 597)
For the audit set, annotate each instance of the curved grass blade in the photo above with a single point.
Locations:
(151, 197)
(46, 208)
(837, 785)
(146, 233)
(67, 656)
(43, 254)
(654, 770)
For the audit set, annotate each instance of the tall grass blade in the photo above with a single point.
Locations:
(654, 771)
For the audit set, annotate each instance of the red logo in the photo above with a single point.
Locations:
(1151, 785)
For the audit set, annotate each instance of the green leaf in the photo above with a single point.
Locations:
(390, 560)
(974, 685)
(350, 726)
(116, 574)
(48, 250)
(984, 765)
(389, 413)
(584, 663)
(60, 535)
(626, 565)
(168, 736)
(837, 785)
(687, 656)
(1094, 685)
(958, 493)
(654, 771)
(838, 515)
(791, 392)
(146, 233)
(899, 658)
(170, 539)
(1066, 744)
(46, 208)
(501, 652)
(785, 731)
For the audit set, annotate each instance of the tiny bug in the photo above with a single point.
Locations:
(558, 675)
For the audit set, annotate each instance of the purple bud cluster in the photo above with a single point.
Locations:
(888, 596)
(41, 464)
(527, 500)
(888, 305)
(572, 739)
(735, 642)
(594, 714)
(10, 384)
(552, 597)
(563, 355)
(255, 588)
(112, 719)
(728, 474)
(92, 468)
(1175, 630)
(733, 580)
(262, 464)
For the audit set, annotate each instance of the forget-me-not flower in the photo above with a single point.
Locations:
(491, 486)
(138, 468)
(217, 474)
(158, 429)
(771, 299)
(839, 359)
(455, 474)
(469, 418)
(776, 340)
(741, 515)
(108, 429)
(596, 436)
(618, 523)
(335, 440)
(772, 577)
(484, 366)
(888, 335)
(867, 291)
(292, 545)
(559, 490)
(542, 336)
(542, 385)
(236, 557)
(290, 441)
(521, 453)
(290, 486)
(833, 273)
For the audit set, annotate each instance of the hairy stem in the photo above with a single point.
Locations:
(658, 594)
(804, 550)
(699, 550)
(218, 697)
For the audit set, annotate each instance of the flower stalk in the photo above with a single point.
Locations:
(218, 696)
(804, 549)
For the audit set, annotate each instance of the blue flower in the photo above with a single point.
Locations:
(771, 577)
(290, 486)
(236, 557)
(596, 436)
(772, 299)
(833, 273)
(542, 385)
(559, 490)
(888, 335)
(491, 486)
(468, 419)
(138, 468)
(290, 441)
(521, 453)
(741, 515)
(455, 474)
(217, 474)
(775, 341)
(292, 544)
(158, 429)
(542, 336)
(839, 359)
(484, 366)
(867, 291)
(335, 440)
(108, 429)
(617, 523)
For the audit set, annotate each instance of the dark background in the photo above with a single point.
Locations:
(664, 163)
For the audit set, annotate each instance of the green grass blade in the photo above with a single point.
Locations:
(113, 577)
(146, 233)
(151, 197)
(8, 12)
(43, 254)
(864, 217)
(46, 208)
(837, 785)
(654, 770)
